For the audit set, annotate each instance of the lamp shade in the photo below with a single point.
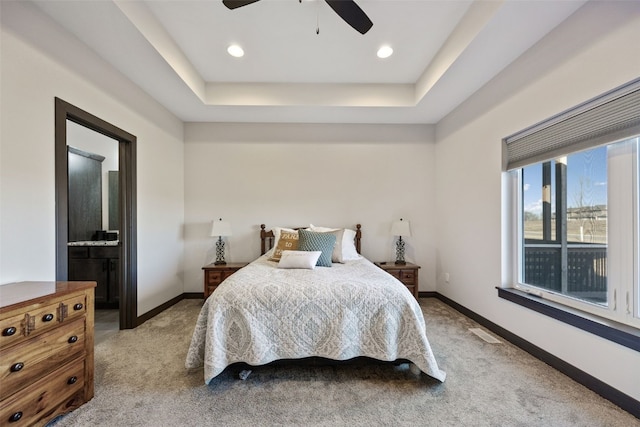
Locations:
(400, 228)
(220, 228)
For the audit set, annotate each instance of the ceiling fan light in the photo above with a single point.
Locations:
(235, 51)
(385, 52)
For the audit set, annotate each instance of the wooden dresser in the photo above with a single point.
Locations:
(215, 274)
(406, 273)
(46, 350)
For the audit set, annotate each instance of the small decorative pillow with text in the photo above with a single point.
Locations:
(287, 241)
(276, 234)
(299, 259)
(312, 241)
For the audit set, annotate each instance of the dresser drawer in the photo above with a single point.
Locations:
(39, 319)
(408, 277)
(57, 393)
(12, 329)
(217, 277)
(75, 307)
(22, 364)
(18, 328)
(214, 277)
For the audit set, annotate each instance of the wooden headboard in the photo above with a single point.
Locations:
(266, 238)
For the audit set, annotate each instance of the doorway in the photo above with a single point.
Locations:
(127, 275)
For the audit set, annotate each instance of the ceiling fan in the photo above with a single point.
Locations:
(348, 10)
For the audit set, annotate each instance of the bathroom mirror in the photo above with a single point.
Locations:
(93, 184)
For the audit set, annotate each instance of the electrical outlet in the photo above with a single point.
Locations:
(446, 277)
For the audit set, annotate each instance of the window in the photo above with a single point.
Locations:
(575, 202)
(565, 207)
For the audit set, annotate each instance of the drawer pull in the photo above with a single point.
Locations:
(47, 317)
(15, 417)
(72, 380)
(78, 306)
(72, 339)
(17, 367)
(9, 331)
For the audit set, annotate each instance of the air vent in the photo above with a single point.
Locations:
(485, 336)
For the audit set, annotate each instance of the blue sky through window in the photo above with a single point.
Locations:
(586, 181)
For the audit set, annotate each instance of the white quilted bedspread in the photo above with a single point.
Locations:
(263, 313)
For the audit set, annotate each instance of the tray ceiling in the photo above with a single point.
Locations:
(176, 51)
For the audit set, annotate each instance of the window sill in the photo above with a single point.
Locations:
(613, 331)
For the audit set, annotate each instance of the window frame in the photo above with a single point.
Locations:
(524, 296)
(615, 308)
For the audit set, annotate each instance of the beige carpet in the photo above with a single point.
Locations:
(141, 381)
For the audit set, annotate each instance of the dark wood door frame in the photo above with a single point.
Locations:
(127, 182)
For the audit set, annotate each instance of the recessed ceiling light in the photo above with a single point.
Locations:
(385, 52)
(235, 51)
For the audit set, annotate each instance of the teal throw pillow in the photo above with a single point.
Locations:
(323, 242)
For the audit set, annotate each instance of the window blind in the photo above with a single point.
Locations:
(609, 117)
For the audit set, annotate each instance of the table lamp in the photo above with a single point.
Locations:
(400, 228)
(220, 229)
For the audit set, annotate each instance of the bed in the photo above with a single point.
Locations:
(265, 313)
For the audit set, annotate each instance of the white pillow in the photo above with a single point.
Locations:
(299, 259)
(322, 229)
(345, 248)
(349, 252)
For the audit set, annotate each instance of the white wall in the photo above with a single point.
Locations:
(587, 55)
(297, 174)
(40, 62)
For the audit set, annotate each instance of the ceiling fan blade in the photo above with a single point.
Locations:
(352, 14)
(234, 4)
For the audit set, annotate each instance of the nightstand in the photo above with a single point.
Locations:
(215, 274)
(407, 274)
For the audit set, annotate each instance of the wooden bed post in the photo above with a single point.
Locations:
(358, 236)
(263, 236)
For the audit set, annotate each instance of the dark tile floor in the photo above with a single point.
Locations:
(107, 323)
